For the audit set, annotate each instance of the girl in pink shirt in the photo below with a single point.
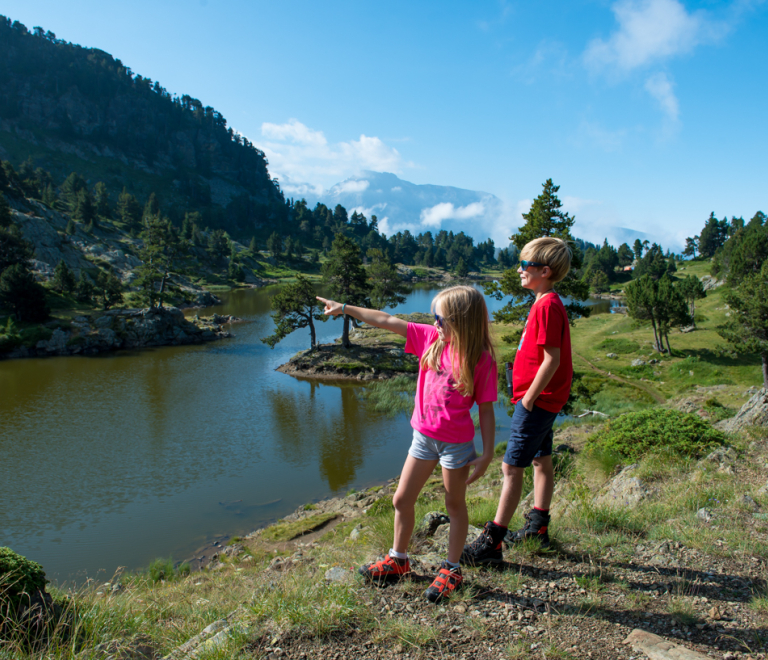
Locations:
(457, 368)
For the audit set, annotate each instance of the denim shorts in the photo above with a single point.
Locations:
(452, 455)
(531, 435)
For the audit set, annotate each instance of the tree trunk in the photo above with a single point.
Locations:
(161, 293)
(693, 314)
(312, 335)
(669, 348)
(656, 344)
(345, 333)
(765, 370)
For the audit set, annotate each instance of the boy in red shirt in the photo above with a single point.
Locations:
(541, 379)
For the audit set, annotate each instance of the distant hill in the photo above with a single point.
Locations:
(399, 204)
(70, 108)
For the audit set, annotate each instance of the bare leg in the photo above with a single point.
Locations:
(414, 476)
(455, 482)
(510, 494)
(543, 482)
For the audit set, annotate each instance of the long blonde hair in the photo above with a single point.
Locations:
(465, 318)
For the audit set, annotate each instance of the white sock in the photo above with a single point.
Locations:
(452, 565)
(398, 555)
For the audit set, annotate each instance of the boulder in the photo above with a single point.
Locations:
(709, 282)
(613, 356)
(638, 362)
(440, 539)
(753, 413)
(339, 575)
(624, 490)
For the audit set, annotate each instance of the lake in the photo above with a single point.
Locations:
(119, 459)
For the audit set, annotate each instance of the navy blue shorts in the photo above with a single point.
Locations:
(531, 435)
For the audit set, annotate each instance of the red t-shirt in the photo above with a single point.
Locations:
(441, 412)
(547, 325)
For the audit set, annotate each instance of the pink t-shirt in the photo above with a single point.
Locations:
(441, 412)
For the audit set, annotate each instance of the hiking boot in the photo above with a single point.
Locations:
(388, 569)
(486, 548)
(447, 581)
(536, 524)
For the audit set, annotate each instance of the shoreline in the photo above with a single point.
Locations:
(117, 330)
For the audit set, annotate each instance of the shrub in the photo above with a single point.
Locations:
(18, 575)
(161, 569)
(633, 435)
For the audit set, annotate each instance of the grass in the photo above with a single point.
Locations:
(682, 611)
(286, 531)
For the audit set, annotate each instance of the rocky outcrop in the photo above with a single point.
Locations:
(753, 413)
(709, 282)
(624, 490)
(125, 329)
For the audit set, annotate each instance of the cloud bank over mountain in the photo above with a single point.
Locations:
(401, 205)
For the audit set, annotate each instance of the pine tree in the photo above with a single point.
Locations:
(386, 285)
(13, 248)
(295, 307)
(63, 278)
(691, 245)
(108, 289)
(544, 219)
(101, 195)
(275, 246)
(641, 299)
(637, 248)
(253, 247)
(692, 290)
(71, 228)
(85, 209)
(83, 289)
(23, 294)
(5, 212)
(128, 210)
(346, 277)
(461, 268)
(161, 250)
(747, 327)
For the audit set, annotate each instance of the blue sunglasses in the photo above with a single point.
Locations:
(439, 320)
(524, 263)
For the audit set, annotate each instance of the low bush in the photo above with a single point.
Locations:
(18, 575)
(635, 434)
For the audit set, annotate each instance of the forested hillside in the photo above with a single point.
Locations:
(68, 108)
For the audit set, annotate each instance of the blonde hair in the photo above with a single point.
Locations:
(554, 252)
(465, 318)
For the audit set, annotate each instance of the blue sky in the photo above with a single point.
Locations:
(649, 114)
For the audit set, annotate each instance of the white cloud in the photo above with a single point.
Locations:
(435, 215)
(650, 31)
(660, 87)
(352, 186)
(397, 189)
(304, 161)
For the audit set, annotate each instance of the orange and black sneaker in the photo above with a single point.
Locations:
(389, 569)
(486, 548)
(536, 526)
(447, 581)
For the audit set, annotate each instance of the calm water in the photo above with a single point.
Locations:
(116, 460)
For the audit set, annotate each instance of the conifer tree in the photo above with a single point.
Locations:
(545, 218)
(101, 197)
(386, 286)
(161, 250)
(23, 294)
(63, 278)
(692, 290)
(108, 289)
(347, 278)
(83, 289)
(747, 327)
(13, 248)
(461, 268)
(275, 246)
(5, 212)
(295, 307)
(128, 209)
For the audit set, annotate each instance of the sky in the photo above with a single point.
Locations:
(649, 114)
